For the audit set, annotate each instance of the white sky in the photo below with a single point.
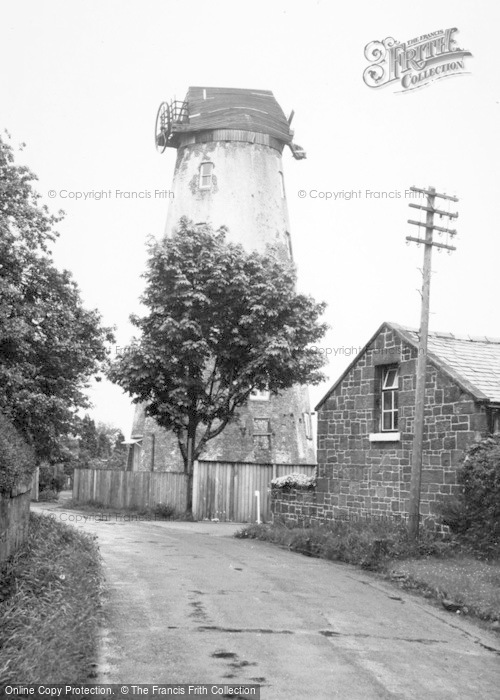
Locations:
(80, 83)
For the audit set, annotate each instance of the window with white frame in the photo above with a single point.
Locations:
(389, 412)
(205, 182)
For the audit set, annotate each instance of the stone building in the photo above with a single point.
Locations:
(365, 425)
(229, 171)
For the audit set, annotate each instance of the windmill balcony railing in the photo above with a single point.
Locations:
(179, 111)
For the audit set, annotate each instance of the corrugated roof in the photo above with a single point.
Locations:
(472, 362)
(235, 108)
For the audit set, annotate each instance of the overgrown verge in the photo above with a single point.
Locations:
(160, 511)
(463, 584)
(50, 606)
(367, 543)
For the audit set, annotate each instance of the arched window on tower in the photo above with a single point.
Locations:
(205, 182)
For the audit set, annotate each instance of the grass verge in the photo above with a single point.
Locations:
(50, 606)
(160, 511)
(462, 584)
(442, 569)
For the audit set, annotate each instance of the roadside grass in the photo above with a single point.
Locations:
(439, 567)
(50, 606)
(366, 543)
(160, 511)
(463, 584)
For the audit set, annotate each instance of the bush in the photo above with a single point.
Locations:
(48, 495)
(294, 481)
(50, 479)
(163, 510)
(475, 514)
(17, 458)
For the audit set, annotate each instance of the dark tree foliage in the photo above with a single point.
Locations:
(103, 446)
(17, 458)
(99, 447)
(475, 514)
(50, 479)
(221, 323)
(89, 437)
(50, 345)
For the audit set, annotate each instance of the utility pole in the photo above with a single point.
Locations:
(429, 243)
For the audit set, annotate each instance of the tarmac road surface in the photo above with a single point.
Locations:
(188, 603)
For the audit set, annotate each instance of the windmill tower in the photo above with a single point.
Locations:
(229, 172)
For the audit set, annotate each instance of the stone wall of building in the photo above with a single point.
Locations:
(358, 477)
(272, 431)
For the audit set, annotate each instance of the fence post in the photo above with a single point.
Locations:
(34, 484)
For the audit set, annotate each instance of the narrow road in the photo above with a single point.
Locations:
(188, 603)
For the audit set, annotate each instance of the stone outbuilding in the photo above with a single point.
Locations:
(365, 426)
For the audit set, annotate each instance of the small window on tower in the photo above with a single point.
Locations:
(206, 176)
(282, 184)
(262, 433)
(289, 244)
(258, 395)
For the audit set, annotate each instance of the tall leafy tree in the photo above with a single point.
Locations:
(119, 445)
(89, 437)
(103, 446)
(50, 345)
(221, 323)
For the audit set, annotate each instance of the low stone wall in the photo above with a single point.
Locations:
(309, 508)
(299, 507)
(14, 519)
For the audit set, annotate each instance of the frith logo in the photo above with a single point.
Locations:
(415, 63)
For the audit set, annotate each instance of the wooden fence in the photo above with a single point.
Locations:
(120, 489)
(222, 490)
(14, 519)
(226, 490)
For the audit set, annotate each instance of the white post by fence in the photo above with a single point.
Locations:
(196, 487)
(257, 496)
